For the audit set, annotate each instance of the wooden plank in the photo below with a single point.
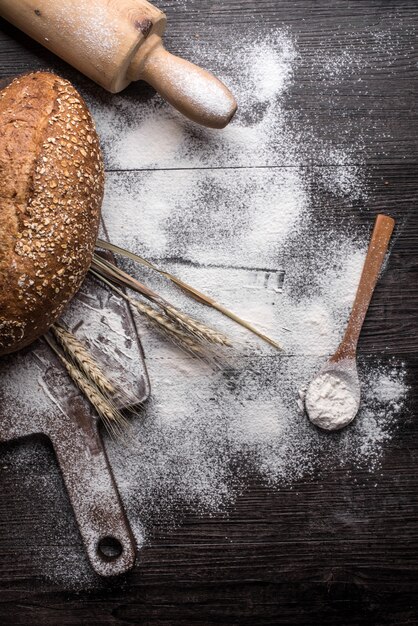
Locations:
(347, 539)
(129, 213)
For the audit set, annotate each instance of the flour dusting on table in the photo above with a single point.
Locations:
(260, 242)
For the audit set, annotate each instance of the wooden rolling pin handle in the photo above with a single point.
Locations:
(378, 246)
(193, 91)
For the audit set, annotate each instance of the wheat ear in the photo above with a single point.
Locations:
(112, 418)
(167, 325)
(85, 361)
(88, 364)
(197, 328)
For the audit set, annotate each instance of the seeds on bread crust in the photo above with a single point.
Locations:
(51, 191)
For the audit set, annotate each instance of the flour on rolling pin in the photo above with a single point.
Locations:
(116, 42)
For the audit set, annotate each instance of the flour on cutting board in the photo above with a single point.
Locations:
(235, 233)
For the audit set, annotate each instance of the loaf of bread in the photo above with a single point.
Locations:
(51, 182)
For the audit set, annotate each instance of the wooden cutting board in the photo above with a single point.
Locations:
(38, 398)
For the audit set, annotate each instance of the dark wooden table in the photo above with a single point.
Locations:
(349, 554)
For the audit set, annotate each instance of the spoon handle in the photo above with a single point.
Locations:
(378, 246)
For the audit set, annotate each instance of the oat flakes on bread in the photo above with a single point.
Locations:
(51, 190)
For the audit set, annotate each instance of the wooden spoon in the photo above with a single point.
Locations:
(333, 397)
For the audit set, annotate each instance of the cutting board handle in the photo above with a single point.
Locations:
(193, 91)
(94, 497)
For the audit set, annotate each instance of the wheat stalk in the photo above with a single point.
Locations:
(85, 361)
(194, 327)
(191, 291)
(112, 418)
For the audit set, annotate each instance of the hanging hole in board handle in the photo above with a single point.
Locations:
(109, 548)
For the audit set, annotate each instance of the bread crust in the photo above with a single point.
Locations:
(51, 191)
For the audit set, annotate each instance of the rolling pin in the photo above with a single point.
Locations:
(115, 42)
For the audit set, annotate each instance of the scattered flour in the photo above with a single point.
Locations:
(239, 217)
(235, 233)
(134, 132)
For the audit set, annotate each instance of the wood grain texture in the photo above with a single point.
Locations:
(342, 548)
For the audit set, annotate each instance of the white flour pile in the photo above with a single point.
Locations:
(234, 233)
(331, 403)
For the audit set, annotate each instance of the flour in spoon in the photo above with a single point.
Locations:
(330, 402)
